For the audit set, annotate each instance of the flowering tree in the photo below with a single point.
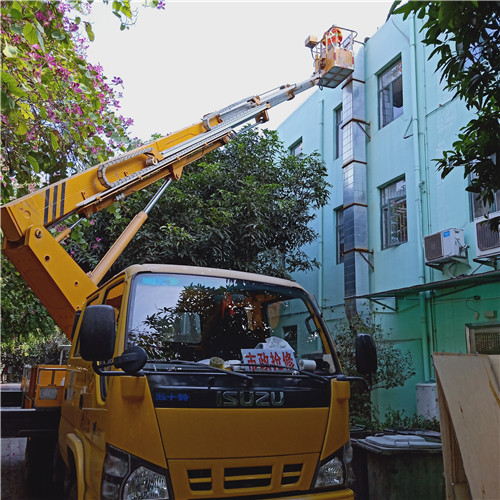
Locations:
(59, 114)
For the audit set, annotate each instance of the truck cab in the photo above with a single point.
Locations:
(190, 382)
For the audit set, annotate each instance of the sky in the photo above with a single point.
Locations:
(193, 58)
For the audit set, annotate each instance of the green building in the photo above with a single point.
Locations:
(396, 241)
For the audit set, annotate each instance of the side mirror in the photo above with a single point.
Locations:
(366, 354)
(97, 333)
(132, 360)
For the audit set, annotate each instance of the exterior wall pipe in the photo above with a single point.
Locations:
(322, 211)
(424, 319)
(420, 186)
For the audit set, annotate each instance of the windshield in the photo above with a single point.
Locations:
(244, 325)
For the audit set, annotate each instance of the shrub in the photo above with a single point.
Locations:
(35, 350)
(394, 366)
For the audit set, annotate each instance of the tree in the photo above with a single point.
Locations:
(466, 40)
(247, 207)
(59, 114)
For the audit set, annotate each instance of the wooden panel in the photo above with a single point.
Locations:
(468, 392)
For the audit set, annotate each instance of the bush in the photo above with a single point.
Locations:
(33, 351)
(394, 366)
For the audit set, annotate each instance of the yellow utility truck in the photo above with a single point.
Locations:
(182, 382)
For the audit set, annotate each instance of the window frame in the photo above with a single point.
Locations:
(387, 217)
(389, 87)
(339, 234)
(339, 136)
(297, 144)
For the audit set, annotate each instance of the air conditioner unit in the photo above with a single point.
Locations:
(487, 240)
(445, 246)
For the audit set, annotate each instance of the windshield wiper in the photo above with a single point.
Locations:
(202, 365)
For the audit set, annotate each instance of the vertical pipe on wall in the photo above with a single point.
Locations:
(322, 210)
(420, 186)
(419, 182)
(424, 328)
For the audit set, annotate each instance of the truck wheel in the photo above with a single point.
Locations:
(39, 462)
(70, 483)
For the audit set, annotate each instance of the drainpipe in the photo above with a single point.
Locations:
(322, 210)
(423, 296)
(420, 187)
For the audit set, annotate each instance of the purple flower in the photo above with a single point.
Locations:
(117, 81)
(161, 5)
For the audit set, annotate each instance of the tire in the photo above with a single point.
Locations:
(39, 462)
(70, 483)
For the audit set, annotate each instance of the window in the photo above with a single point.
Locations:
(91, 302)
(338, 132)
(339, 215)
(296, 148)
(393, 214)
(390, 84)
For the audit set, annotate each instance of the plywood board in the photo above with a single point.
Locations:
(452, 461)
(470, 390)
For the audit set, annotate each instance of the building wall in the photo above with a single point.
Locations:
(423, 321)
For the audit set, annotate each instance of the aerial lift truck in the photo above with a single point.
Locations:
(181, 382)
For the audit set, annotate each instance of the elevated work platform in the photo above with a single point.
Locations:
(333, 55)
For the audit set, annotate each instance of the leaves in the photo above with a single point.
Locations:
(90, 33)
(53, 100)
(466, 41)
(247, 206)
(29, 32)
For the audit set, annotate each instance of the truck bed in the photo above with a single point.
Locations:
(23, 422)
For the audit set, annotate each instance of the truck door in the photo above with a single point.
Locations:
(85, 398)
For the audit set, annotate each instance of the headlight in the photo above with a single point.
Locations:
(127, 477)
(144, 483)
(330, 474)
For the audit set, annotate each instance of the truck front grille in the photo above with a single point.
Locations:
(238, 478)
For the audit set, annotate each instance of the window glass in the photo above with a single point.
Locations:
(91, 302)
(393, 214)
(195, 318)
(338, 132)
(339, 215)
(391, 94)
(113, 297)
(296, 148)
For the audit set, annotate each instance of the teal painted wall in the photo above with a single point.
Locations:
(431, 119)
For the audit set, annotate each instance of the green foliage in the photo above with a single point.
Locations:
(247, 207)
(33, 349)
(59, 114)
(22, 313)
(394, 366)
(398, 420)
(466, 41)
